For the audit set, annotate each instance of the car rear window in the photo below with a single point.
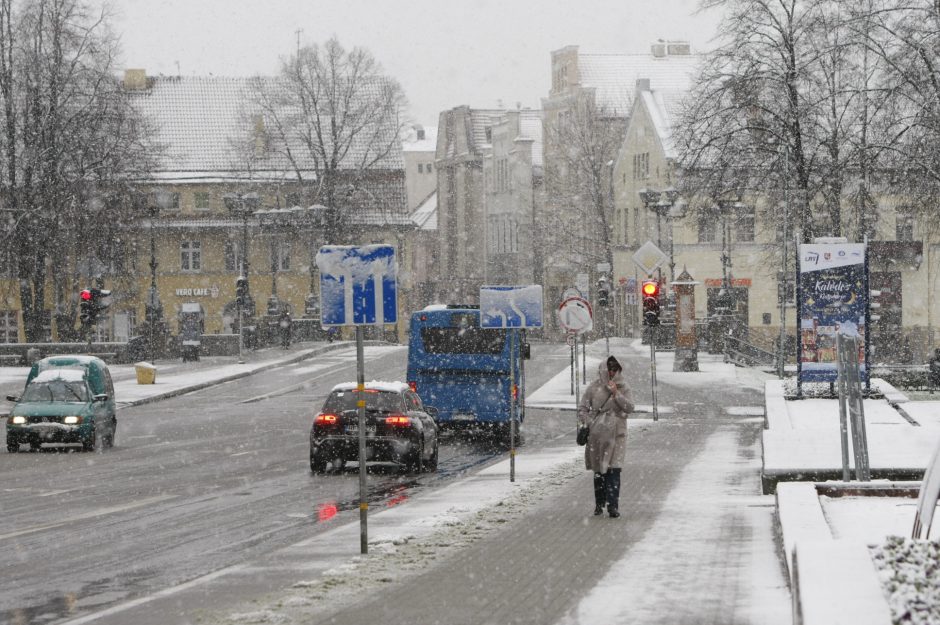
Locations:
(340, 401)
(55, 390)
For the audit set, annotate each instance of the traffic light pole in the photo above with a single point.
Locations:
(653, 371)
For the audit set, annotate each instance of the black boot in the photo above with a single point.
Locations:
(612, 484)
(599, 494)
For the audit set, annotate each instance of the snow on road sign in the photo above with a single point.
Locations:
(511, 306)
(575, 315)
(358, 285)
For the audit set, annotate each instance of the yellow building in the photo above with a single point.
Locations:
(220, 192)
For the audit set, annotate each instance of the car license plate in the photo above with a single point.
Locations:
(354, 429)
(465, 417)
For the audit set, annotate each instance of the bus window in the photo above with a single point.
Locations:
(471, 340)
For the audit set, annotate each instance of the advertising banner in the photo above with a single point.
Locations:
(833, 299)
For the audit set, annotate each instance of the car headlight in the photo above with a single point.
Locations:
(72, 420)
(18, 420)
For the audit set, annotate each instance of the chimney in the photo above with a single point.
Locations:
(260, 135)
(659, 49)
(678, 48)
(420, 131)
(135, 79)
(642, 84)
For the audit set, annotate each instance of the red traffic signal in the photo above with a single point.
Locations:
(85, 295)
(650, 288)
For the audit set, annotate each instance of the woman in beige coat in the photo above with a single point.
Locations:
(604, 409)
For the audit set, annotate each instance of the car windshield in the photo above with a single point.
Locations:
(56, 390)
(385, 401)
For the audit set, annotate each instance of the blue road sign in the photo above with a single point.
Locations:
(358, 285)
(511, 306)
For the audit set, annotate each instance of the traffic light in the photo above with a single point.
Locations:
(87, 309)
(93, 303)
(241, 291)
(650, 290)
(603, 291)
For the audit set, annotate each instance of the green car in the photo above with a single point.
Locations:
(67, 399)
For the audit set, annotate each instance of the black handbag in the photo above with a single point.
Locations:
(583, 432)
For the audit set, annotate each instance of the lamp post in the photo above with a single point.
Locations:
(275, 220)
(157, 200)
(665, 203)
(243, 205)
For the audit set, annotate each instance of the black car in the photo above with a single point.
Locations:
(399, 428)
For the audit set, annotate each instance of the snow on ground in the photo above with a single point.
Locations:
(688, 530)
(884, 516)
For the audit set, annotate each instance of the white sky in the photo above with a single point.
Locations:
(444, 53)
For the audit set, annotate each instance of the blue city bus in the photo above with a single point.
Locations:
(464, 370)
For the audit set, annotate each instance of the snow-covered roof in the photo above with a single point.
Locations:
(360, 217)
(203, 123)
(425, 216)
(614, 76)
(67, 374)
(664, 107)
(411, 143)
(374, 385)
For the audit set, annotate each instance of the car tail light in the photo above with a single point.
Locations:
(325, 418)
(413, 386)
(397, 419)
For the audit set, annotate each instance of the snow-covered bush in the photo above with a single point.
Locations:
(909, 571)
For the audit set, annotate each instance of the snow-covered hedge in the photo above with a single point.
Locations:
(909, 571)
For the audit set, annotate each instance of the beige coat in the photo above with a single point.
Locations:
(606, 414)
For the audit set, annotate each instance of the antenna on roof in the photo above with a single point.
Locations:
(177, 68)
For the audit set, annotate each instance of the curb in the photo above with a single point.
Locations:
(261, 367)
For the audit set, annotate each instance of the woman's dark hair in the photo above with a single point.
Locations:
(613, 364)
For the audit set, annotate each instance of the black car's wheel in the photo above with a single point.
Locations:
(88, 443)
(317, 463)
(415, 461)
(432, 463)
(13, 445)
(109, 440)
(35, 445)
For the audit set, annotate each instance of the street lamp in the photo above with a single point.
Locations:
(274, 220)
(665, 203)
(159, 199)
(243, 205)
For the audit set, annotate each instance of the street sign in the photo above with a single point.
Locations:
(571, 338)
(571, 292)
(511, 306)
(581, 283)
(629, 288)
(358, 285)
(575, 315)
(649, 258)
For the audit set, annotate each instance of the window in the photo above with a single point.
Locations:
(9, 328)
(232, 258)
(428, 166)
(283, 256)
(744, 225)
(201, 200)
(905, 225)
(463, 340)
(707, 229)
(190, 256)
(420, 168)
(641, 166)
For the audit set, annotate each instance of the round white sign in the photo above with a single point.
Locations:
(575, 315)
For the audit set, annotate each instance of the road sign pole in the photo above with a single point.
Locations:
(584, 360)
(361, 406)
(573, 348)
(577, 382)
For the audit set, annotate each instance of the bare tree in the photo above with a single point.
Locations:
(333, 115)
(68, 140)
(789, 102)
(584, 142)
